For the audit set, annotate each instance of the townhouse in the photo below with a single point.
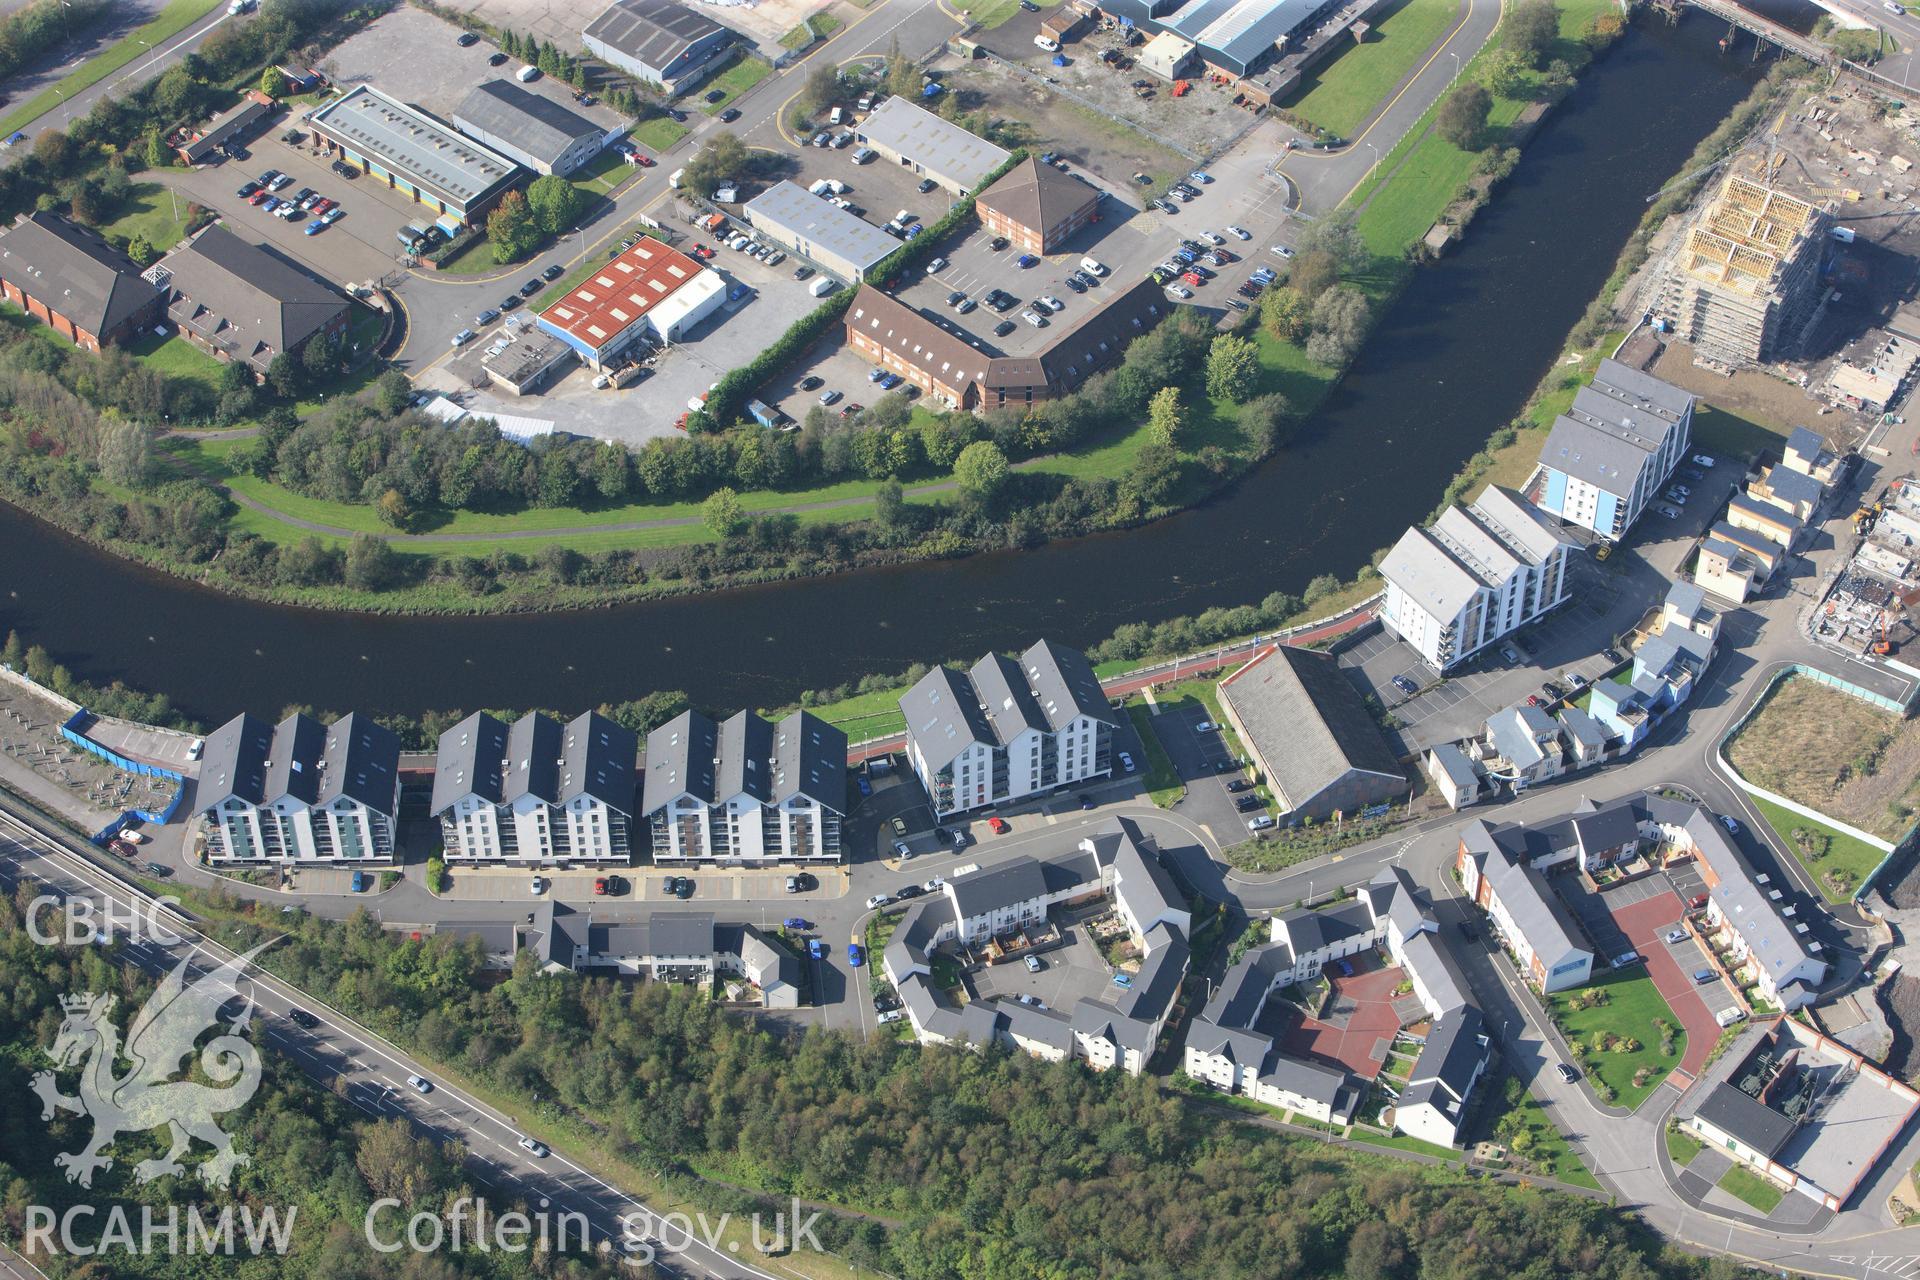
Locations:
(1611, 453)
(536, 793)
(1005, 729)
(743, 792)
(1775, 523)
(1117, 1029)
(1666, 669)
(300, 791)
(1524, 746)
(667, 946)
(1477, 574)
(1498, 872)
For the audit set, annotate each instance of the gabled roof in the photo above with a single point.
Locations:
(1018, 879)
(943, 717)
(939, 146)
(75, 272)
(680, 933)
(1425, 570)
(1064, 685)
(1687, 599)
(293, 770)
(531, 122)
(1306, 722)
(746, 758)
(810, 759)
(1806, 443)
(652, 32)
(532, 764)
(469, 762)
(233, 763)
(598, 758)
(1788, 485)
(1007, 702)
(362, 763)
(1764, 512)
(1038, 196)
(248, 299)
(1741, 1116)
(1308, 931)
(680, 759)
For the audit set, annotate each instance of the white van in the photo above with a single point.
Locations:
(862, 154)
(673, 179)
(836, 116)
(1093, 266)
(527, 74)
(819, 188)
(822, 286)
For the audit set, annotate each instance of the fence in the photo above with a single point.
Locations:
(1793, 806)
(71, 730)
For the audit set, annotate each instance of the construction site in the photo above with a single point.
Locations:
(1868, 610)
(1798, 258)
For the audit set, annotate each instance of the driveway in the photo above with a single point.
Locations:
(1204, 763)
(1645, 923)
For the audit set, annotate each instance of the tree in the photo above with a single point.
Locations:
(1339, 238)
(53, 151)
(1154, 475)
(1463, 115)
(555, 203)
(511, 230)
(391, 392)
(723, 156)
(1343, 314)
(1164, 417)
(823, 86)
(283, 376)
(395, 1163)
(372, 565)
(394, 509)
(320, 357)
(1532, 28)
(1263, 421)
(723, 514)
(1286, 314)
(903, 77)
(141, 250)
(158, 155)
(1313, 274)
(273, 83)
(126, 452)
(1233, 368)
(981, 471)
(889, 504)
(1507, 74)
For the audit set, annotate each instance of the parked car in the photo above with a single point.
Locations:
(1238, 784)
(829, 397)
(1676, 935)
(463, 337)
(358, 884)
(935, 267)
(1026, 260)
(729, 115)
(1704, 976)
(816, 949)
(891, 1015)
(1406, 686)
(467, 38)
(532, 287)
(926, 185)
(1283, 251)
(158, 869)
(684, 889)
(1034, 318)
(907, 892)
(1731, 824)
(998, 243)
(315, 227)
(497, 60)
(1033, 963)
(1004, 328)
(1179, 291)
(1671, 513)
(1247, 804)
(1126, 762)
(538, 885)
(1205, 726)
(1702, 460)
(877, 901)
(856, 954)
(1260, 823)
(1123, 980)
(998, 825)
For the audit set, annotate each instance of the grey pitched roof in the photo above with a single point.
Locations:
(293, 769)
(810, 759)
(248, 298)
(530, 122)
(943, 717)
(1688, 599)
(1018, 879)
(1009, 705)
(1806, 442)
(680, 759)
(1048, 1026)
(1422, 566)
(681, 933)
(1453, 1051)
(362, 763)
(1589, 449)
(1526, 530)
(1512, 731)
(1763, 511)
(1064, 685)
(1142, 882)
(1534, 908)
(787, 206)
(1306, 722)
(653, 32)
(469, 762)
(598, 758)
(746, 758)
(1308, 931)
(1303, 1077)
(74, 272)
(414, 145)
(1244, 989)
(1439, 971)
(1754, 1123)
(1634, 386)
(532, 765)
(1794, 486)
(1454, 763)
(1605, 826)
(1769, 935)
(233, 762)
(226, 127)
(941, 146)
(1158, 981)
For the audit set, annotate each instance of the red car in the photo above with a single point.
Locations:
(321, 205)
(1533, 700)
(600, 886)
(701, 252)
(259, 197)
(644, 161)
(852, 409)
(1193, 279)
(999, 826)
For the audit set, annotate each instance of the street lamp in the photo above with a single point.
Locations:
(1376, 158)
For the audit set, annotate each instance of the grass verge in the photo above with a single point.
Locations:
(1341, 94)
(660, 132)
(1744, 1184)
(1839, 863)
(1682, 1147)
(1162, 782)
(1401, 1142)
(1632, 1005)
(175, 18)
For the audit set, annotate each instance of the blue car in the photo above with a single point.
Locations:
(738, 292)
(795, 922)
(866, 788)
(874, 375)
(1122, 979)
(889, 382)
(856, 954)
(915, 229)
(315, 227)
(816, 949)
(1027, 260)
(359, 881)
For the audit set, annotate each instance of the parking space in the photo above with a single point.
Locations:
(357, 248)
(1069, 973)
(1645, 924)
(1207, 767)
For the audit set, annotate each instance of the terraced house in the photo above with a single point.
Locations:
(300, 791)
(537, 793)
(746, 792)
(1004, 729)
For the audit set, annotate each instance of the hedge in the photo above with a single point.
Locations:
(736, 387)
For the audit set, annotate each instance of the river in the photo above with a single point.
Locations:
(1453, 360)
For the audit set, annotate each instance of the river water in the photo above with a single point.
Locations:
(1454, 359)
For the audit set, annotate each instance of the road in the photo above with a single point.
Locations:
(141, 69)
(1904, 28)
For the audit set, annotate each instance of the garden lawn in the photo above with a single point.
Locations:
(175, 18)
(865, 715)
(153, 211)
(1682, 1147)
(177, 358)
(734, 81)
(1341, 94)
(602, 175)
(1633, 1005)
(1548, 1150)
(1847, 854)
(660, 132)
(1743, 1183)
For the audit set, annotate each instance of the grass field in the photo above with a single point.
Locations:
(1546, 1148)
(1852, 858)
(1835, 754)
(1721, 432)
(1401, 1142)
(865, 715)
(177, 358)
(660, 132)
(733, 82)
(152, 211)
(1633, 1003)
(1743, 1183)
(1339, 95)
(602, 175)
(175, 18)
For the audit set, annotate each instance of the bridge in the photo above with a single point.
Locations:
(1753, 24)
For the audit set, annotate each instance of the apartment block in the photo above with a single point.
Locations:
(300, 791)
(1612, 452)
(746, 792)
(536, 793)
(1007, 729)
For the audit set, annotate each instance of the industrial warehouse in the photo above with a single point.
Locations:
(648, 292)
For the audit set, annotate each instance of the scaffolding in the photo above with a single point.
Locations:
(1744, 285)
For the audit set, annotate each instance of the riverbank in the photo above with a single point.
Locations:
(570, 558)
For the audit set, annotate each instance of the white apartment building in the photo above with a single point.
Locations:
(1008, 729)
(1477, 574)
(746, 792)
(300, 791)
(537, 793)
(1609, 455)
